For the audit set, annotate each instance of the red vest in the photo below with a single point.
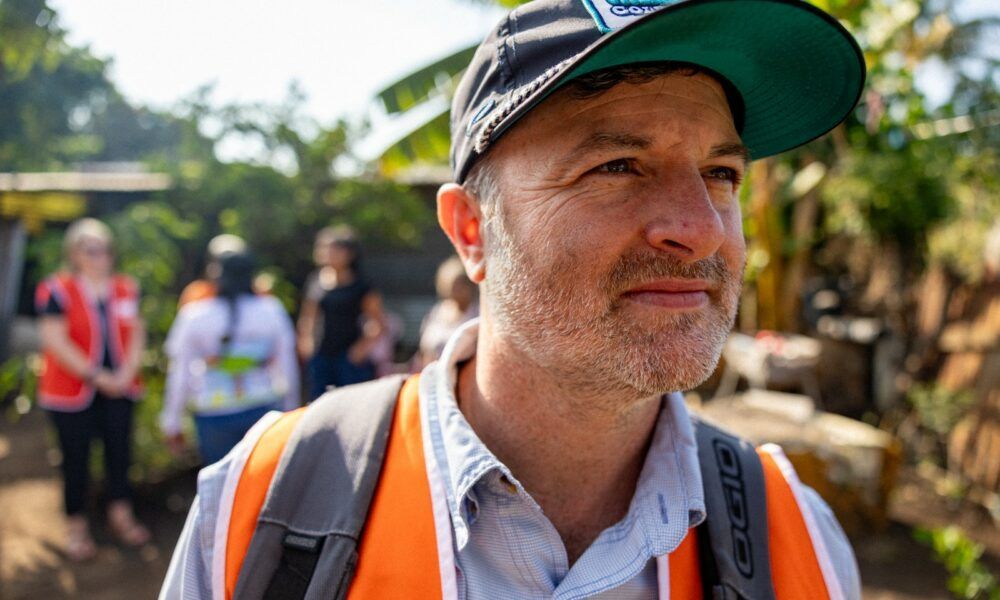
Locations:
(58, 388)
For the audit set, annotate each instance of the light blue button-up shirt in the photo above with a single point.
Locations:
(507, 548)
(504, 545)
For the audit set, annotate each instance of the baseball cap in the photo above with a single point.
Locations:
(797, 71)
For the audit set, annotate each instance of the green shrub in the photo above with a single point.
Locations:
(968, 578)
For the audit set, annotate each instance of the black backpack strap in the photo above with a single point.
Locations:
(734, 557)
(305, 543)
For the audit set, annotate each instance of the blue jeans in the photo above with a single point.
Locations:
(325, 370)
(217, 434)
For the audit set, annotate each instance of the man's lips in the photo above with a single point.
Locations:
(676, 294)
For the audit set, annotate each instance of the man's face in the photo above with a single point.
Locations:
(616, 260)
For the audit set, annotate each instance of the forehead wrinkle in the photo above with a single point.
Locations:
(730, 149)
(662, 87)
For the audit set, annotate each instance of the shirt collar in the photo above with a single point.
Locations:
(671, 462)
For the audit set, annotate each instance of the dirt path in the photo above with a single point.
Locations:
(893, 566)
(32, 531)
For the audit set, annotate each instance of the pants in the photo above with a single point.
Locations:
(217, 434)
(111, 418)
(325, 370)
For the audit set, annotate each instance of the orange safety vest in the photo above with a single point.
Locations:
(399, 546)
(58, 388)
(199, 289)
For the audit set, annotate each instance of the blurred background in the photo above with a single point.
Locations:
(868, 339)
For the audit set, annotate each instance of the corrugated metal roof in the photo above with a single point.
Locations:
(84, 182)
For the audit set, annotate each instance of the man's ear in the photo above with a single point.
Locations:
(460, 218)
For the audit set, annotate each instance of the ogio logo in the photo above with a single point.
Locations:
(615, 14)
(731, 473)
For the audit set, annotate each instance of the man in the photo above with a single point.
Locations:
(598, 150)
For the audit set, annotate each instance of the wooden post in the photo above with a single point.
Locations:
(764, 212)
(13, 237)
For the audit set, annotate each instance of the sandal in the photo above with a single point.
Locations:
(79, 545)
(126, 529)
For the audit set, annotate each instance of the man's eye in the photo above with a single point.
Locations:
(725, 174)
(617, 166)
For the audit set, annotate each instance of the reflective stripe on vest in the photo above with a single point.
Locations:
(812, 574)
(409, 512)
(58, 388)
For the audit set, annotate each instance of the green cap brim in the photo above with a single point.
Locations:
(797, 70)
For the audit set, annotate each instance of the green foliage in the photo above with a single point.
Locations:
(45, 252)
(43, 83)
(18, 386)
(151, 461)
(425, 83)
(124, 132)
(148, 239)
(889, 194)
(939, 409)
(959, 242)
(279, 214)
(429, 143)
(58, 105)
(426, 91)
(968, 578)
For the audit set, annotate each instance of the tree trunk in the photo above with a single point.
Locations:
(767, 240)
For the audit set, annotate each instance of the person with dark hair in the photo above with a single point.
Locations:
(92, 343)
(199, 289)
(341, 317)
(232, 359)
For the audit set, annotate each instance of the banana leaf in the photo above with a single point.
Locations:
(427, 144)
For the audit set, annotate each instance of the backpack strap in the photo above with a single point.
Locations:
(733, 541)
(309, 527)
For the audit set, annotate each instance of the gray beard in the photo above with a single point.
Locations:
(590, 343)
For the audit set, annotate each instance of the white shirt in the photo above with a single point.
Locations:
(260, 367)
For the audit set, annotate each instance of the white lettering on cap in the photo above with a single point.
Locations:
(615, 14)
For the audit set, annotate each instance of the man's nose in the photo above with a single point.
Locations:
(682, 218)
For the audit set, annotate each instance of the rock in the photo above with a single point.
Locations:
(852, 465)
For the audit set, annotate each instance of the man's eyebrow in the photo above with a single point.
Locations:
(730, 149)
(604, 141)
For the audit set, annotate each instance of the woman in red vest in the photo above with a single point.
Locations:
(92, 341)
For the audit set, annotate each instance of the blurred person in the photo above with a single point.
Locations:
(199, 289)
(458, 302)
(383, 350)
(598, 152)
(341, 318)
(92, 342)
(232, 359)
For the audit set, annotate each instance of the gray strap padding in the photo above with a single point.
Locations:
(323, 487)
(738, 564)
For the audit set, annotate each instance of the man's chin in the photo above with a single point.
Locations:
(670, 359)
(660, 376)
